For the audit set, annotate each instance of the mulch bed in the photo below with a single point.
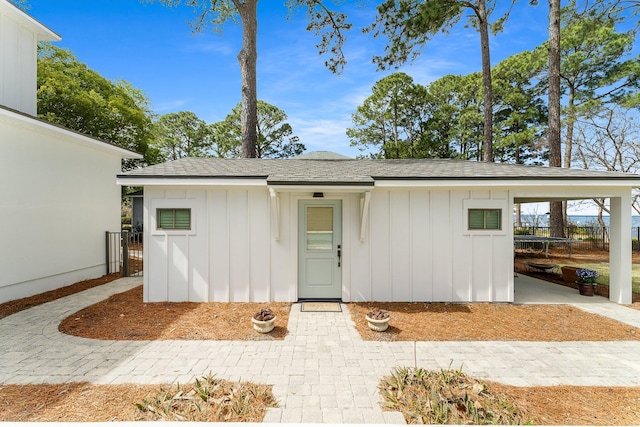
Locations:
(490, 322)
(15, 306)
(125, 316)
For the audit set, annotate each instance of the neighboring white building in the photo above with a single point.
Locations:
(58, 193)
(354, 230)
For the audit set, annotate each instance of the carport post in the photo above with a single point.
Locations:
(620, 250)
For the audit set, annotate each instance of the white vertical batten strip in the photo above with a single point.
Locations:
(275, 213)
(364, 214)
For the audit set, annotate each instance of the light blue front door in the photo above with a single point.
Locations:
(320, 249)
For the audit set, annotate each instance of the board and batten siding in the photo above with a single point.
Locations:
(416, 246)
(228, 254)
(418, 249)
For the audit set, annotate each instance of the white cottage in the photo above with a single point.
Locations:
(352, 230)
(57, 189)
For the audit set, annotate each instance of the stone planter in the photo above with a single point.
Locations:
(378, 325)
(263, 326)
(586, 289)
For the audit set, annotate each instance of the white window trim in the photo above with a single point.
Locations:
(172, 204)
(485, 204)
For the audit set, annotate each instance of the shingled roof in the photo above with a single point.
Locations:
(298, 171)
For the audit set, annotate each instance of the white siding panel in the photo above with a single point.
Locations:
(462, 255)
(400, 245)
(198, 249)
(10, 73)
(503, 277)
(421, 252)
(219, 275)
(28, 72)
(69, 225)
(482, 268)
(380, 243)
(441, 262)
(156, 269)
(239, 271)
(284, 270)
(178, 277)
(359, 266)
(259, 225)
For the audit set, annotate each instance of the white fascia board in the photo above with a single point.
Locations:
(24, 120)
(511, 183)
(323, 188)
(210, 182)
(43, 32)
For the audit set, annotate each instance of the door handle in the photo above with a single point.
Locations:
(339, 255)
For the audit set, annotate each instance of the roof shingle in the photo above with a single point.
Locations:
(359, 171)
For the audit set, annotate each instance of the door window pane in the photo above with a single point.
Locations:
(320, 228)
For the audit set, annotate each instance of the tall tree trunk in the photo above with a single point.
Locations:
(248, 58)
(487, 152)
(571, 121)
(556, 217)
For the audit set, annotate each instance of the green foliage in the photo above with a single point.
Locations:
(72, 95)
(330, 26)
(595, 64)
(403, 119)
(409, 24)
(392, 118)
(275, 136)
(208, 399)
(520, 114)
(445, 397)
(182, 134)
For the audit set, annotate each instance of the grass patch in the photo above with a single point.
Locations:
(445, 397)
(208, 399)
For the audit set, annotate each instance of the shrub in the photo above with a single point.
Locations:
(445, 397)
(208, 399)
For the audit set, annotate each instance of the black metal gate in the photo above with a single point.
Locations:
(124, 251)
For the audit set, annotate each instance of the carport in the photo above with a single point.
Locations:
(617, 188)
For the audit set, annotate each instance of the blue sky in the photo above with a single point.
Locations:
(153, 47)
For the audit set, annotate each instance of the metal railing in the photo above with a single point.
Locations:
(590, 237)
(124, 252)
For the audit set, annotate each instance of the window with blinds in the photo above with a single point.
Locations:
(485, 219)
(174, 219)
(319, 228)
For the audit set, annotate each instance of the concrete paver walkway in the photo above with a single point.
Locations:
(322, 372)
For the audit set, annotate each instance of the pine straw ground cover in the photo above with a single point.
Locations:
(125, 316)
(451, 397)
(207, 399)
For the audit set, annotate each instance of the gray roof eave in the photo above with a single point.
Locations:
(321, 183)
(504, 178)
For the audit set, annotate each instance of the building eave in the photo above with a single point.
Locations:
(136, 181)
(43, 32)
(23, 119)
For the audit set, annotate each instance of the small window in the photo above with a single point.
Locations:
(485, 219)
(174, 219)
